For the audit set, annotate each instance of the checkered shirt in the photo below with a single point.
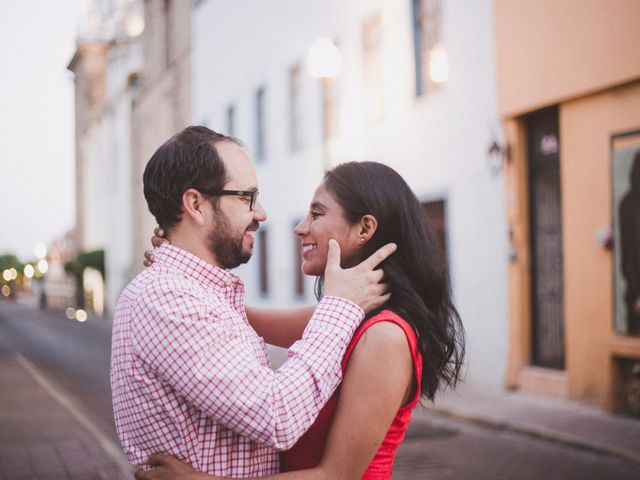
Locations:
(189, 376)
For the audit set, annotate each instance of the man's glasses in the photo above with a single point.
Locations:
(251, 194)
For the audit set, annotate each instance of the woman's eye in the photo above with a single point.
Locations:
(314, 215)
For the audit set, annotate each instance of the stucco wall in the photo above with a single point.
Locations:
(549, 51)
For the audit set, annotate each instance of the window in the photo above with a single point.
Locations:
(427, 50)
(298, 276)
(435, 212)
(263, 249)
(260, 134)
(373, 71)
(167, 32)
(231, 120)
(295, 107)
(329, 109)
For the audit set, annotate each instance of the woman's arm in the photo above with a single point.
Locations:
(378, 381)
(280, 326)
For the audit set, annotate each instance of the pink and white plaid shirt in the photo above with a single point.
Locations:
(189, 376)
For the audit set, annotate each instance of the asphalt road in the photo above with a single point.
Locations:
(75, 357)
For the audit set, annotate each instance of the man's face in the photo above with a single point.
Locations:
(234, 223)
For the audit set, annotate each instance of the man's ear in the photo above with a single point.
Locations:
(368, 226)
(193, 206)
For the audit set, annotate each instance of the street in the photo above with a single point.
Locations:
(74, 357)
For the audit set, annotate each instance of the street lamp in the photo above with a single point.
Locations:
(41, 250)
(43, 266)
(29, 271)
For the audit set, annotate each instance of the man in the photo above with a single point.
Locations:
(189, 375)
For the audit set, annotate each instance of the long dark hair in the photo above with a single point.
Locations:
(416, 272)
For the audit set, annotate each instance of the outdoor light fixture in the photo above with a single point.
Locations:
(81, 315)
(41, 250)
(438, 64)
(134, 23)
(29, 270)
(499, 149)
(324, 59)
(43, 266)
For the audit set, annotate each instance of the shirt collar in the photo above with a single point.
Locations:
(194, 267)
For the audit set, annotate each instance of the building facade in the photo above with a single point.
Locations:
(569, 94)
(416, 90)
(131, 69)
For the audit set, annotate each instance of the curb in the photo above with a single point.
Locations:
(537, 432)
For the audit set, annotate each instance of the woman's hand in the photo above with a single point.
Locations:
(157, 240)
(168, 467)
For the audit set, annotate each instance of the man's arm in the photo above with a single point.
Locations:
(280, 326)
(196, 351)
(218, 372)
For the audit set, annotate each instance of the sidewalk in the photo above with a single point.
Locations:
(549, 419)
(43, 435)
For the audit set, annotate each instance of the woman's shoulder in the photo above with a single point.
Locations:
(385, 333)
(387, 323)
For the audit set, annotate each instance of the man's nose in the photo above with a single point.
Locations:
(259, 214)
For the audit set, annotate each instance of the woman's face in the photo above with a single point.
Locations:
(324, 221)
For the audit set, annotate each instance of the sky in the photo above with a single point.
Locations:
(37, 40)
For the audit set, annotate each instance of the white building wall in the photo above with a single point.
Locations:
(438, 142)
(124, 60)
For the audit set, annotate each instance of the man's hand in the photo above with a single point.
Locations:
(168, 467)
(157, 240)
(360, 284)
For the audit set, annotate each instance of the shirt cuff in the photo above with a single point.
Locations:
(338, 313)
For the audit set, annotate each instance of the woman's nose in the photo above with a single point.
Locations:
(301, 228)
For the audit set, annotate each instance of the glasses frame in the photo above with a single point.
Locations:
(252, 194)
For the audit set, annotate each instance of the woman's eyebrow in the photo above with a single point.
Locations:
(319, 206)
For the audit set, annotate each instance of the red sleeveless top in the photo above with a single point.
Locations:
(308, 451)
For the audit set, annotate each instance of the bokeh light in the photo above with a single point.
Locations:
(29, 271)
(43, 266)
(81, 315)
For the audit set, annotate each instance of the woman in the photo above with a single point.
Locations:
(364, 206)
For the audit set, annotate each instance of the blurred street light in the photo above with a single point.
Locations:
(6, 275)
(70, 312)
(324, 59)
(29, 271)
(43, 266)
(6, 291)
(134, 24)
(41, 250)
(81, 315)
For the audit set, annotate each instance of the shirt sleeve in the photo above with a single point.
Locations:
(215, 368)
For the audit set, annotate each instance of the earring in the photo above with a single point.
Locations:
(362, 239)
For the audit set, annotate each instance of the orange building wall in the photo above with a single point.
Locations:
(586, 126)
(549, 51)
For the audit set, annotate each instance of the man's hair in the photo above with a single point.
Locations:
(187, 160)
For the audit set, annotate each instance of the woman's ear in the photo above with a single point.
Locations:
(192, 206)
(368, 226)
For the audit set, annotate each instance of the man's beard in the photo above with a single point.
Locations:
(225, 246)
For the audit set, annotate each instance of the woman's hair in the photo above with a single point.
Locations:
(416, 272)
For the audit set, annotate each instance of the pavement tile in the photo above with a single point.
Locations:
(40, 439)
